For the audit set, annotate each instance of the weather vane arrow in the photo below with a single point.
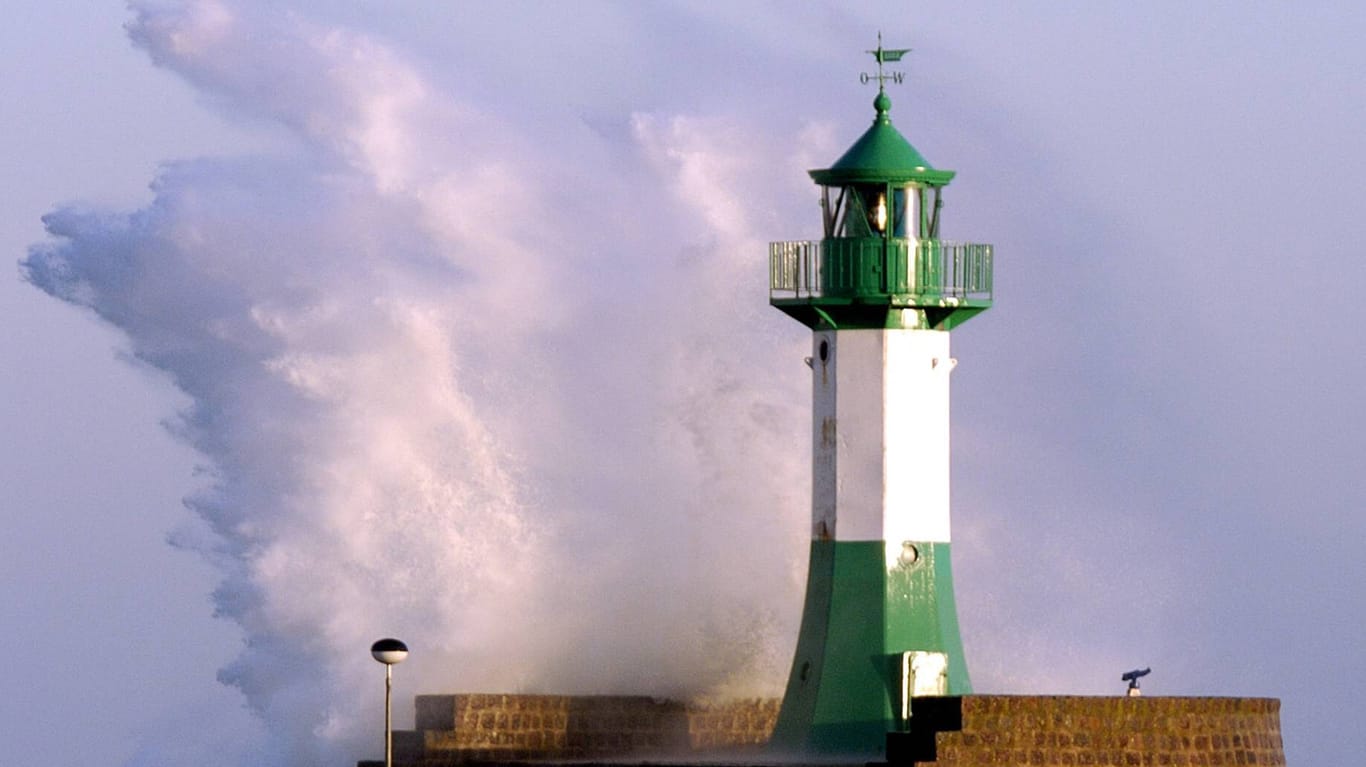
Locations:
(884, 55)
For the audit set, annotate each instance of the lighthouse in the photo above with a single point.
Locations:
(881, 292)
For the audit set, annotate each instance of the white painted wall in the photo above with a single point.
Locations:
(881, 436)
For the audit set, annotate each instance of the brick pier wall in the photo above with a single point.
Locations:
(972, 731)
(465, 728)
(1113, 732)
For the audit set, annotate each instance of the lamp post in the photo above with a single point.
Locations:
(388, 651)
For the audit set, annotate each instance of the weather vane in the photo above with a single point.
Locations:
(882, 55)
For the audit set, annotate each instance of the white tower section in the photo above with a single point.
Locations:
(881, 441)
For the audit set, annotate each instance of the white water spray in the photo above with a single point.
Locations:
(454, 386)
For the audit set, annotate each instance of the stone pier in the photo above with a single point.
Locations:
(968, 731)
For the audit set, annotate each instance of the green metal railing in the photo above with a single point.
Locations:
(844, 268)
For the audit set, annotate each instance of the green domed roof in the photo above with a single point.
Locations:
(881, 154)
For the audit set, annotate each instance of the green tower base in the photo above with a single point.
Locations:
(845, 692)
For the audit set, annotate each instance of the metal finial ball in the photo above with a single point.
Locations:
(389, 651)
(882, 103)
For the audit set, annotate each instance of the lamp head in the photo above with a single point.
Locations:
(389, 651)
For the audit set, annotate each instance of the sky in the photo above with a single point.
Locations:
(336, 320)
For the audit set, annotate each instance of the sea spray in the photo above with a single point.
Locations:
(444, 389)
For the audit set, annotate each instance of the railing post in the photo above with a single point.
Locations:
(962, 262)
(806, 261)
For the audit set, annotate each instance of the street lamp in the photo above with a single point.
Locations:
(388, 651)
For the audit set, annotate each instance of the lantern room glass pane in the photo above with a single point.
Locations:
(878, 210)
(832, 208)
(900, 196)
(865, 211)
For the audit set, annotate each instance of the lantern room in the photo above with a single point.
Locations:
(880, 262)
(882, 186)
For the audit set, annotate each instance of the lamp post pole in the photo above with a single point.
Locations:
(388, 652)
(388, 717)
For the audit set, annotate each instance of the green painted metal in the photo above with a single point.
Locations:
(881, 154)
(844, 693)
(922, 613)
(881, 263)
(880, 283)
